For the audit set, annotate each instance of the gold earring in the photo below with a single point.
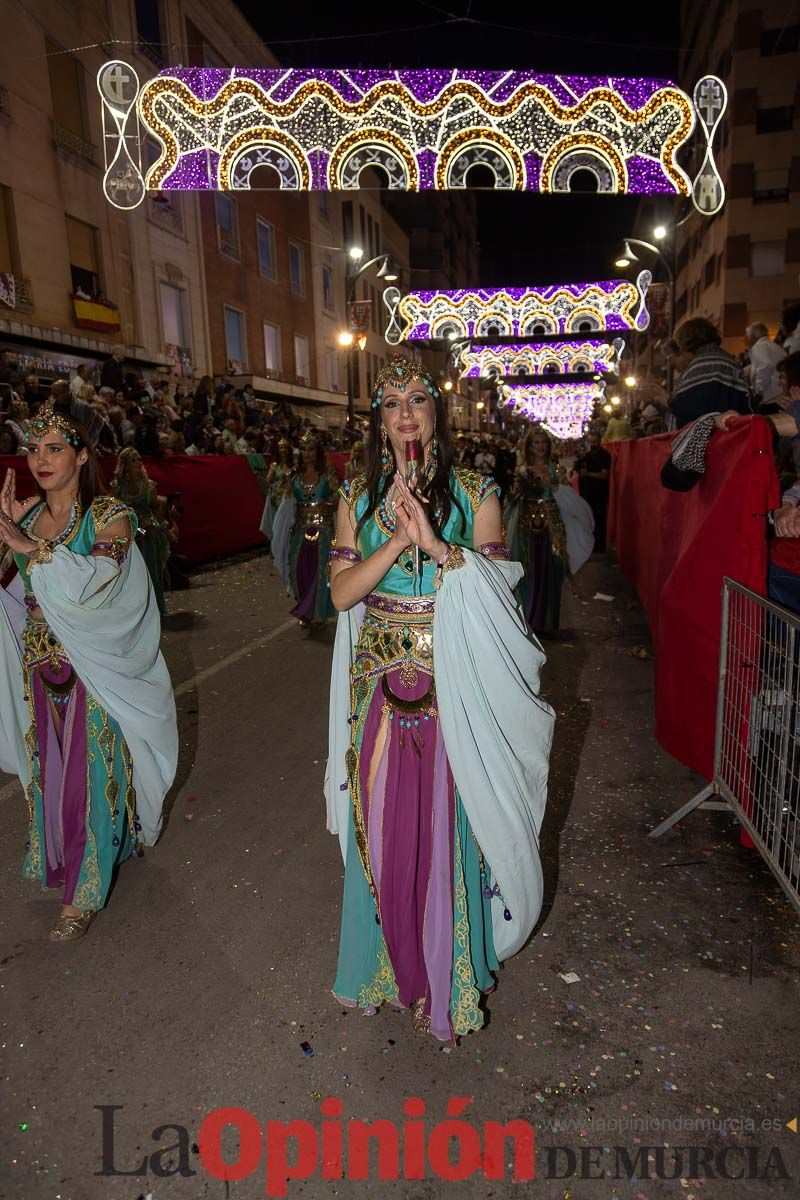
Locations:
(386, 458)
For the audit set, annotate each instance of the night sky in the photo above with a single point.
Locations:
(524, 238)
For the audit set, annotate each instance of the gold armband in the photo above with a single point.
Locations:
(42, 554)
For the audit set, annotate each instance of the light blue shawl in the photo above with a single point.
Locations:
(106, 618)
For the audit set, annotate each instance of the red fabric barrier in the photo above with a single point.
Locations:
(221, 499)
(675, 547)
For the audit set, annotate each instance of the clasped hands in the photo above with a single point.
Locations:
(12, 512)
(413, 527)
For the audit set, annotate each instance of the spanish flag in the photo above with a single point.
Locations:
(93, 314)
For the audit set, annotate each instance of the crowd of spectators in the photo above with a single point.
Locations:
(159, 417)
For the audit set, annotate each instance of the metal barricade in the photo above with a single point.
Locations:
(757, 747)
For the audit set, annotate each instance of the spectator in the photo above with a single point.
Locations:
(17, 421)
(34, 394)
(81, 386)
(111, 372)
(764, 358)
(9, 443)
(116, 416)
(204, 402)
(232, 410)
(712, 381)
(790, 324)
(64, 401)
(594, 469)
(618, 429)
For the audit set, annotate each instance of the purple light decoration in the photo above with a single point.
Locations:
(529, 137)
(565, 409)
(579, 309)
(480, 358)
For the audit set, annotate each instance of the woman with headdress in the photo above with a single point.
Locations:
(439, 742)
(356, 462)
(537, 536)
(303, 532)
(87, 716)
(132, 484)
(277, 475)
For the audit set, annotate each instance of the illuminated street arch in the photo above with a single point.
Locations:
(609, 305)
(542, 358)
(564, 409)
(319, 129)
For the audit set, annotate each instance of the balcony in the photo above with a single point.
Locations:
(73, 144)
(18, 297)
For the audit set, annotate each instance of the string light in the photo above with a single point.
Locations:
(610, 305)
(539, 358)
(319, 129)
(564, 409)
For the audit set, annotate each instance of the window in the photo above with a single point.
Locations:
(780, 41)
(301, 363)
(67, 90)
(173, 316)
(265, 234)
(327, 288)
(333, 369)
(7, 247)
(82, 242)
(774, 120)
(227, 226)
(296, 268)
(767, 258)
(272, 347)
(324, 206)
(708, 276)
(771, 186)
(235, 338)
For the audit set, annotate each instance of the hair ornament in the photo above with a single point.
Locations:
(399, 371)
(46, 421)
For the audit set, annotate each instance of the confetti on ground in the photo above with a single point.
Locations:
(307, 1049)
(571, 977)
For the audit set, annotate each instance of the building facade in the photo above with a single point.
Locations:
(79, 275)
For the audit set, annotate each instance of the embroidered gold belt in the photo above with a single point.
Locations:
(396, 634)
(40, 645)
(314, 516)
(539, 515)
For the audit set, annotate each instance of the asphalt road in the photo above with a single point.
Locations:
(209, 970)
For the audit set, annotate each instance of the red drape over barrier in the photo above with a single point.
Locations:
(221, 499)
(675, 547)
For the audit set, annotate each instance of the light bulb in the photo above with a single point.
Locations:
(607, 408)
(448, 385)
(660, 232)
(630, 381)
(345, 338)
(356, 252)
(622, 262)
(615, 400)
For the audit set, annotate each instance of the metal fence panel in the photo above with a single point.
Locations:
(757, 752)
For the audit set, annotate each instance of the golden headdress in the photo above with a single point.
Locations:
(47, 420)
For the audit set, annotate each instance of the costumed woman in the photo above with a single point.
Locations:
(439, 741)
(87, 715)
(277, 475)
(303, 532)
(536, 534)
(133, 485)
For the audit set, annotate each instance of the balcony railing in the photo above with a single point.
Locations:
(65, 139)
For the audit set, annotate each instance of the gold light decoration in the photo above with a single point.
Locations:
(423, 129)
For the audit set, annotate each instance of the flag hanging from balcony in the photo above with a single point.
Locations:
(8, 294)
(96, 314)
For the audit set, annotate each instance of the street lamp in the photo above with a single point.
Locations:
(345, 338)
(630, 381)
(615, 400)
(448, 385)
(355, 270)
(660, 232)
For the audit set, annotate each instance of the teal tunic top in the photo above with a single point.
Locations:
(468, 488)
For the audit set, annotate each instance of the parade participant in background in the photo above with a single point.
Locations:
(357, 461)
(439, 741)
(277, 476)
(594, 469)
(87, 716)
(132, 484)
(307, 515)
(537, 536)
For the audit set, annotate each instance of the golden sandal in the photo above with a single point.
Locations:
(71, 926)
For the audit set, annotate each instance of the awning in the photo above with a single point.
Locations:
(297, 393)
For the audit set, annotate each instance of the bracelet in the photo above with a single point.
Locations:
(451, 561)
(493, 550)
(344, 553)
(42, 554)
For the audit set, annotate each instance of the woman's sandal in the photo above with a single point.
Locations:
(71, 926)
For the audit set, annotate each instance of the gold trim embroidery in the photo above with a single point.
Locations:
(466, 1015)
(384, 985)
